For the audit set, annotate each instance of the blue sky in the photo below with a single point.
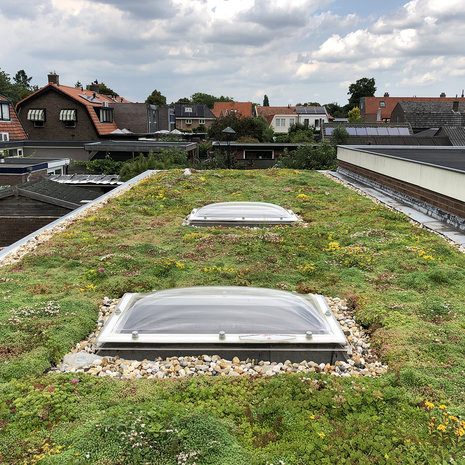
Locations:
(293, 51)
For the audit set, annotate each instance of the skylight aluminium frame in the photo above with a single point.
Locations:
(241, 214)
(294, 345)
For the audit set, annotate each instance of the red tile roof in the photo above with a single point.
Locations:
(242, 108)
(77, 94)
(372, 103)
(269, 112)
(13, 127)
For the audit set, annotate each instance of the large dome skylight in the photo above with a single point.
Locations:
(241, 214)
(252, 322)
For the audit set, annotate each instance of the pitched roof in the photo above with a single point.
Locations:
(198, 111)
(433, 114)
(91, 100)
(239, 108)
(13, 127)
(370, 105)
(455, 135)
(51, 192)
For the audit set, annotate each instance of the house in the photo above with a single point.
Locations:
(384, 134)
(64, 113)
(27, 207)
(190, 116)
(426, 115)
(373, 109)
(142, 118)
(282, 118)
(19, 170)
(240, 109)
(10, 126)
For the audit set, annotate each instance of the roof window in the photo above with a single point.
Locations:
(249, 322)
(241, 214)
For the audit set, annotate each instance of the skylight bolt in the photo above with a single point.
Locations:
(135, 334)
(222, 335)
(328, 312)
(118, 311)
(308, 334)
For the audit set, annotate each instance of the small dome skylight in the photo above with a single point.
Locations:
(241, 214)
(253, 322)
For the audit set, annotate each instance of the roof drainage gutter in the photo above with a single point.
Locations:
(14, 251)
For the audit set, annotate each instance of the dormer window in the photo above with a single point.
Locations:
(4, 111)
(188, 109)
(105, 115)
(382, 104)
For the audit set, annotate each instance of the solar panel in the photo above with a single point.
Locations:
(404, 131)
(393, 131)
(361, 131)
(329, 131)
(383, 131)
(372, 131)
(352, 131)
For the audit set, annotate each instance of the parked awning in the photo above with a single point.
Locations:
(36, 115)
(68, 115)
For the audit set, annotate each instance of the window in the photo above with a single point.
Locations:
(236, 320)
(201, 121)
(241, 213)
(37, 116)
(68, 117)
(291, 121)
(106, 115)
(4, 111)
(317, 123)
(188, 109)
(283, 122)
(278, 122)
(188, 121)
(382, 104)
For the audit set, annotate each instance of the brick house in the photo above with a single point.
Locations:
(10, 125)
(190, 116)
(57, 112)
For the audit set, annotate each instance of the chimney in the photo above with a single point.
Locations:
(53, 78)
(386, 94)
(93, 87)
(462, 93)
(455, 105)
(443, 94)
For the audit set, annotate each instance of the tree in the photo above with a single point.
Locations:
(78, 85)
(364, 87)
(17, 90)
(266, 102)
(339, 136)
(299, 132)
(354, 115)
(184, 100)
(103, 89)
(335, 110)
(309, 157)
(256, 128)
(156, 98)
(22, 79)
(200, 98)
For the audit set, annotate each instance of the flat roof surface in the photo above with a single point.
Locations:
(446, 157)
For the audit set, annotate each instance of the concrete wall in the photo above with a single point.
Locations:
(442, 181)
(439, 191)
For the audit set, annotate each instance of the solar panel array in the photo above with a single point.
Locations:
(310, 110)
(372, 131)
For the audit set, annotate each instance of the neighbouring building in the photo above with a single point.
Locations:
(426, 115)
(19, 170)
(30, 206)
(10, 125)
(240, 109)
(373, 109)
(282, 118)
(191, 116)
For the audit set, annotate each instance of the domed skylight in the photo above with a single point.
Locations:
(241, 214)
(228, 321)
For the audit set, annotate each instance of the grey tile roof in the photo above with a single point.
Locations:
(456, 135)
(61, 192)
(198, 111)
(433, 114)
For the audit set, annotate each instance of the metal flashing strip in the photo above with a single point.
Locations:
(11, 249)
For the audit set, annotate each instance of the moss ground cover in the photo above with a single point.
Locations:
(404, 284)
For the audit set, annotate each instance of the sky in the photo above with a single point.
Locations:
(294, 51)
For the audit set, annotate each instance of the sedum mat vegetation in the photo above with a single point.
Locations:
(404, 284)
